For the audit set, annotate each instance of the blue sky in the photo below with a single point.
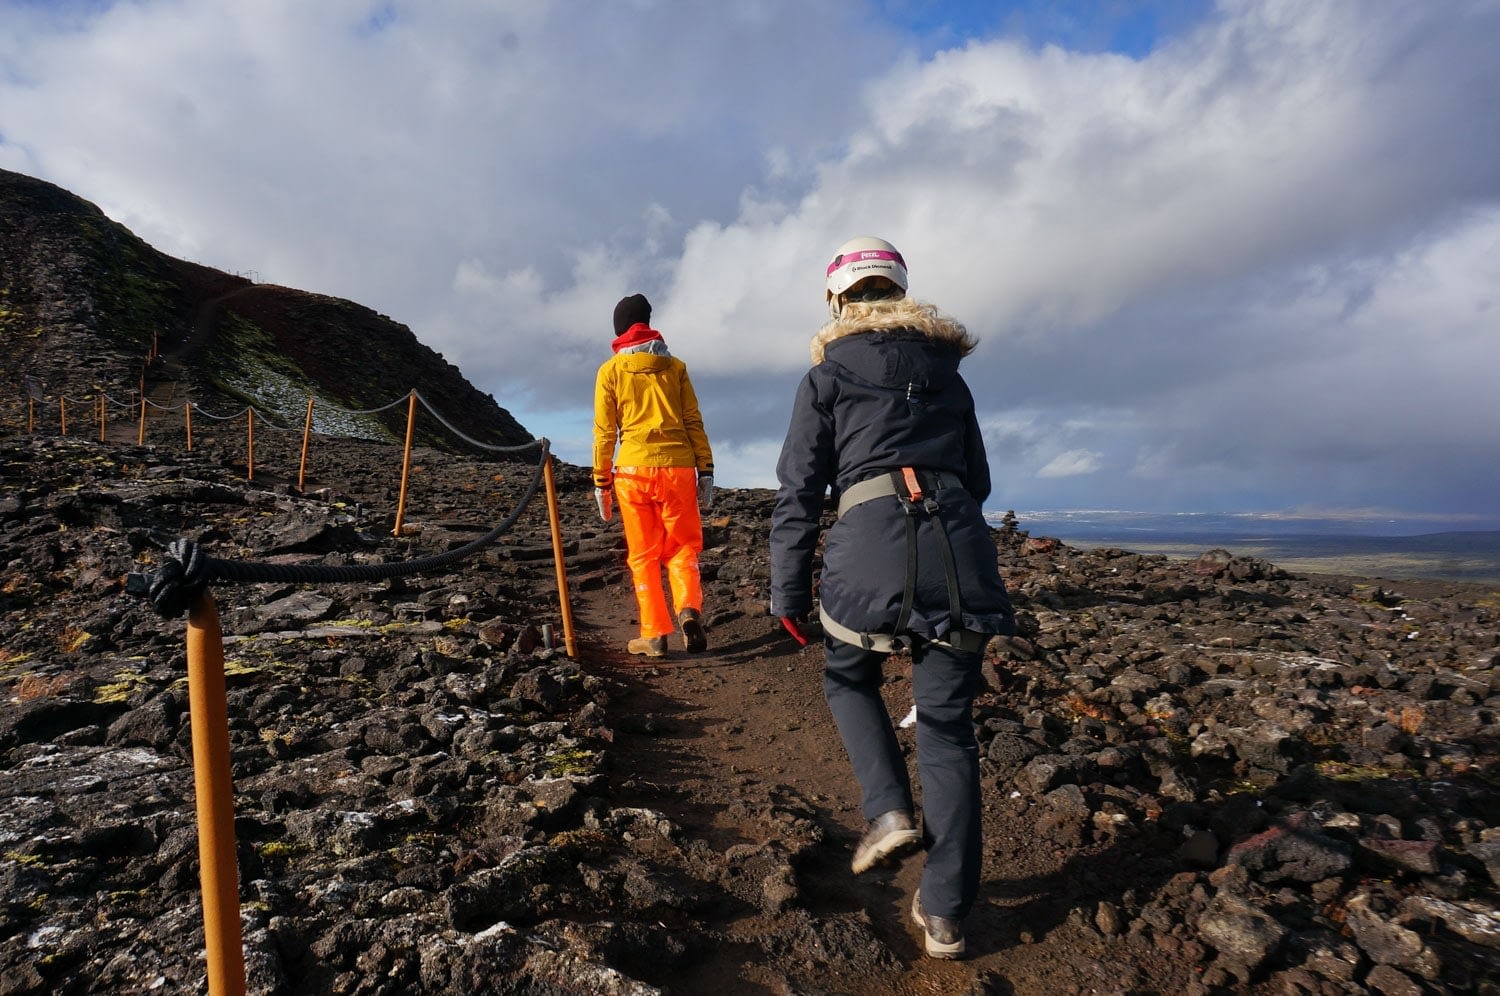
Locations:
(1239, 256)
(1127, 27)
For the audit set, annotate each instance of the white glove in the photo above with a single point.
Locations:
(705, 491)
(605, 499)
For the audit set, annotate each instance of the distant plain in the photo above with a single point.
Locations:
(1303, 546)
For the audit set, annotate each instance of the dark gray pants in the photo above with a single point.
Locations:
(943, 682)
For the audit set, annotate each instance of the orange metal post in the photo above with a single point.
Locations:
(140, 436)
(411, 422)
(557, 558)
(187, 416)
(306, 437)
(102, 418)
(30, 414)
(250, 444)
(62, 407)
(218, 871)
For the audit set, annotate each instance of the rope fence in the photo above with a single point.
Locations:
(141, 405)
(182, 583)
(187, 571)
(98, 405)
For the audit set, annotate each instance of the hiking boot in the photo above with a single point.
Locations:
(888, 837)
(694, 640)
(942, 935)
(648, 646)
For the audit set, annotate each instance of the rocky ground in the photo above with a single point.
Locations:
(1202, 776)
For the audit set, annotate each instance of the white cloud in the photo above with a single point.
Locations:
(1072, 464)
(1252, 268)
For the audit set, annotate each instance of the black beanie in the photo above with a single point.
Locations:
(631, 310)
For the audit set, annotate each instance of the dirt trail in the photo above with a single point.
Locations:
(732, 742)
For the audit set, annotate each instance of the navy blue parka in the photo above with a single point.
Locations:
(885, 393)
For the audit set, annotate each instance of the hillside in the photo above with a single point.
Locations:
(83, 302)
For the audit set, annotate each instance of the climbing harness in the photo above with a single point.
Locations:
(914, 490)
(893, 483)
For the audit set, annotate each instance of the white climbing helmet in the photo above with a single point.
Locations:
(858, 259)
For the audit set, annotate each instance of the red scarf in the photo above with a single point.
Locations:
(635, 335)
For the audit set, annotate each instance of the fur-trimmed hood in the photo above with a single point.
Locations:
(904, 314)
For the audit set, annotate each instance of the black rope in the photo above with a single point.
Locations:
(187, 570)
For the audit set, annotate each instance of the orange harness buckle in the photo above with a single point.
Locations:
(913, 486)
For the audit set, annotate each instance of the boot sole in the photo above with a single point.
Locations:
(894, 845)
(694, 640)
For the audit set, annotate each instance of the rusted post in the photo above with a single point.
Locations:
(187, 416)
(102, 418)
(557, 558)
(140, 436)
(62, 408)
(250, 444)
(411, 422)
(218, 872)
(30, 415)
(306, 438)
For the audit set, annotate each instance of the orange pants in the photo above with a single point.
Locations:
(659, 511)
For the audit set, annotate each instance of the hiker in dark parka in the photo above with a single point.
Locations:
(885, 422)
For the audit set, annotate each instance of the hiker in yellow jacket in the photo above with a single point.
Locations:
(644, 404)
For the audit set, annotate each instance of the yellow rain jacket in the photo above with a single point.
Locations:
(645, 403)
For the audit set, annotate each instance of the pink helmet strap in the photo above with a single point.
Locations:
(863, 254)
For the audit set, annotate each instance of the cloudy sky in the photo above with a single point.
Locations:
(1233, 256)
